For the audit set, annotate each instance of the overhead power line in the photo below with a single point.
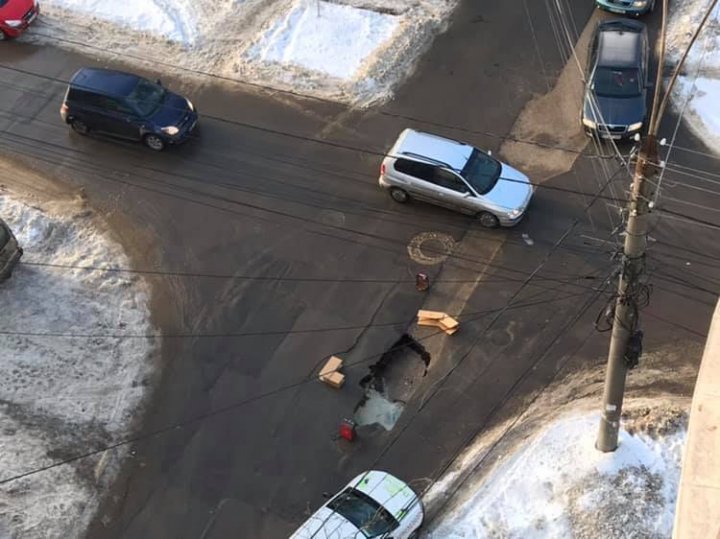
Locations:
(472, 316)
(310, 378)
(304, 138)
(155, 62)
(244, 204)
(355, 148)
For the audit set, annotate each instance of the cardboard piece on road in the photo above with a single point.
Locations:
(439, 320)
(335, 380)
(330, 374)
(430, 315)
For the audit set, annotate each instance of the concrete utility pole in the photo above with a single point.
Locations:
(626, 316)
(625, 341)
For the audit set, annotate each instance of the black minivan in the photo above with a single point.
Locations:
(127, 106)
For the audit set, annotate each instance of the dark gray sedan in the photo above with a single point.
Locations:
(617, 80)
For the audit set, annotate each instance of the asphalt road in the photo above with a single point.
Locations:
(278, 231)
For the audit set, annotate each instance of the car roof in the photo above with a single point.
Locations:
(620, 43)
(432, 148)
(104, 81)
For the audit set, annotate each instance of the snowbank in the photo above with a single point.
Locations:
(63, 396)
(558, 485)
(175, 21)
(697, 92)
(325, 37)
(354, 51)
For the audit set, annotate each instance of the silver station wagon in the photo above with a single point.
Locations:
(457, 176)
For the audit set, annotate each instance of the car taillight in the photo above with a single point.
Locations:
(382, 169)
(63, 109)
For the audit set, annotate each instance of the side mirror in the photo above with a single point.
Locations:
(489, 152)
(158, 82)
(326, 495)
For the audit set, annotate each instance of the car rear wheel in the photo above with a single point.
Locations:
(154, 142)
(398, 195)
(79, 127)
(488, 220)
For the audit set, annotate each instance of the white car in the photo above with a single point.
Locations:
(373, 505)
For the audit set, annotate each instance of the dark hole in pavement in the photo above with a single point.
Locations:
(390, 383)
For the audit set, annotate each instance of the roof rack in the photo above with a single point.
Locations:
(419, 157)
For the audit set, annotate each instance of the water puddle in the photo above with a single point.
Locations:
(375, 408)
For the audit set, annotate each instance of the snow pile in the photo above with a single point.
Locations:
(64, 396)
(559, 485)
(175, 21)
(325, 37)
(353, 51)
(697, 91)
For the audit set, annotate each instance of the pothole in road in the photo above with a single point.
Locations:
(391, 382)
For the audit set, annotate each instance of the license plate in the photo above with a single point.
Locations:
(616, 10)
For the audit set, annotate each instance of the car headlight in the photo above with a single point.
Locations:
(639, 3)
(190, 105)
(170, 130)
(14, 23)
(635, 126)
(515, 213)
(589, 123)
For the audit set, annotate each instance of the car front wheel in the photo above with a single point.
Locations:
(488, 220)
(398, 195)
(79, 127)
(154, 142)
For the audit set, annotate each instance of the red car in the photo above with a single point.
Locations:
(16, 16)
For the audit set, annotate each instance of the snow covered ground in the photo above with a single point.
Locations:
(697, 92)
(558, 485)
(350, 50)
(63, 396)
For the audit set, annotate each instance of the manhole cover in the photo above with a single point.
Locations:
(430, 248)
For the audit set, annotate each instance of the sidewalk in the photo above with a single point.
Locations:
(698, 508)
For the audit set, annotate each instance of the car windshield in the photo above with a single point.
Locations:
(146, 97)
(616, 82)
(482, 171)
(366, 514)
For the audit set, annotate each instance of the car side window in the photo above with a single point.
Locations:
(417, 169)
(592, 52)
(115, 105)
(86, 98)
(445, 178)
